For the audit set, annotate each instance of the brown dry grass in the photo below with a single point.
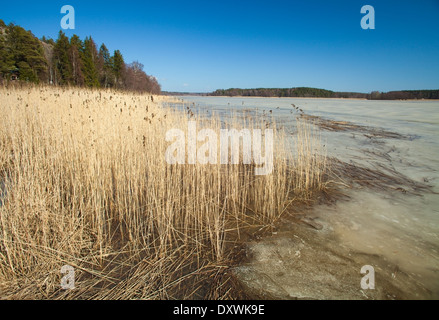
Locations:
(85, 183)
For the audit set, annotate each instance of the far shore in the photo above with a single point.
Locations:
(311, 98)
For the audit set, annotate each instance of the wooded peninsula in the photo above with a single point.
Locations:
(67, 62)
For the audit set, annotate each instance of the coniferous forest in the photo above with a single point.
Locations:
(68, 62)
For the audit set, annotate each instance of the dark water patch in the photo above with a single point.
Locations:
(381, 178)
(368, 132)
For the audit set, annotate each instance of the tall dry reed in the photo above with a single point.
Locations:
(85, 183)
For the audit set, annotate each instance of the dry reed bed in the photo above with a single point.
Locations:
(86, 184)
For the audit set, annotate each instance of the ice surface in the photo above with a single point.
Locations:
(398, 232)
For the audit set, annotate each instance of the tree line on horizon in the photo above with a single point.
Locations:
(307, 92)
(68, 62)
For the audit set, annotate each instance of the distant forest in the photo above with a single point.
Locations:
(306, 92)
(67, 62)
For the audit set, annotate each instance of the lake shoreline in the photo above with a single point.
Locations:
(310, 98)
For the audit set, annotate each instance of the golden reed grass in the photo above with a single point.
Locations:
(85, 183)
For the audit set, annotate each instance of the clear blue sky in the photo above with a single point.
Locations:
(201, 46)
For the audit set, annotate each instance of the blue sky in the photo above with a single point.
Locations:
(200, 46)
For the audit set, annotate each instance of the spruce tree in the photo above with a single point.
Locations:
(89, 60)
(75, 57)
(106, 64)
(62, 64)
(118, 69)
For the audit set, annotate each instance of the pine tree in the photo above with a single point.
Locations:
(25, 54)
(4, 70)
(6, 62)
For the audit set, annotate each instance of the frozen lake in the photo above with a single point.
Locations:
(400, 228)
